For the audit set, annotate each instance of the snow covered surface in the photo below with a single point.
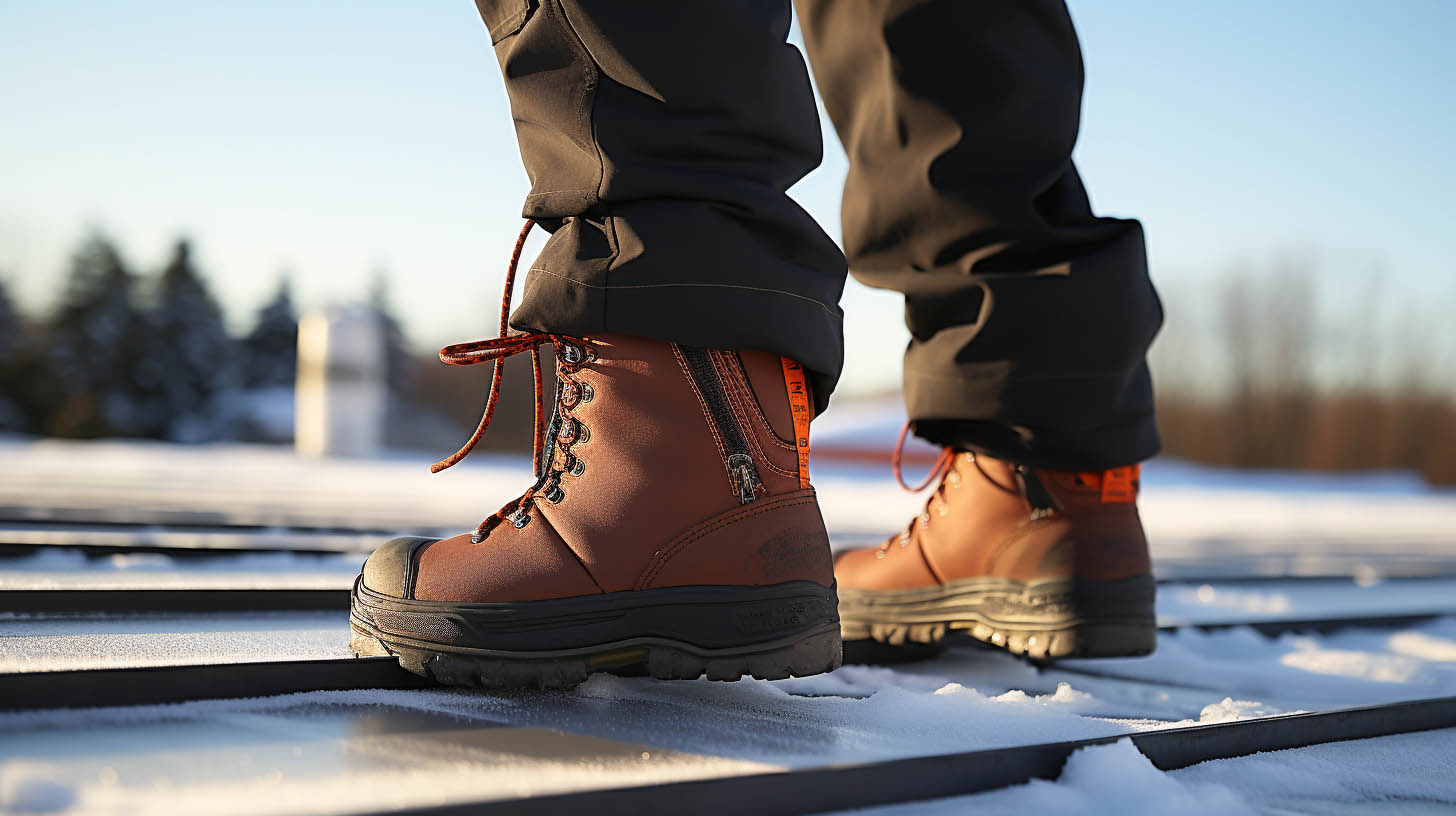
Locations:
(1231, 601)
(1409, 772)
(52, 643)
(1212, 519)
(339, 751)
(72, 569)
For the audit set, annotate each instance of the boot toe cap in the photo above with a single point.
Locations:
(391, 568)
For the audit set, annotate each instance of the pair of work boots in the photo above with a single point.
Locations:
(672, 530)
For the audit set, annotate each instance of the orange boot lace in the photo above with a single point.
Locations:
(564, 430)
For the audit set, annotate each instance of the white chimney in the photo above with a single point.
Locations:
(341, 394)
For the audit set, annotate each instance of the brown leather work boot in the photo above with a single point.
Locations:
(1043, 563)
(671, 526)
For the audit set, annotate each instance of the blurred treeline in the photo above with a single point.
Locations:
(128, 354)
(1262, 371)
(1254, 372)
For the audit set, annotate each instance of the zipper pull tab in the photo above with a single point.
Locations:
(741, 464)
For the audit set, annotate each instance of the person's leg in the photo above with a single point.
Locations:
(1029, 316)
(1029, 320)
(672, 525)
(660, 139)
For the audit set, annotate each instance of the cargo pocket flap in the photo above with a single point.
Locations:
(503, 17)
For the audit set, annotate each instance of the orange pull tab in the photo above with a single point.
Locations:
(801, 412)
(1120, 485)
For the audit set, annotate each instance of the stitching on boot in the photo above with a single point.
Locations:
(666, 554)
(566, 545)
(724, 364)
(743, 390)
(739, 374)
(661, 561)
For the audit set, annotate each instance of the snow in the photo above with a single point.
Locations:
(109, 641)
(1215, 519)
(796, 724)
(1231, 601)
(1411, 771)
(1098, 779)
(340, 751)
(1293, 671)
(323, 752)
(62, 569)
(22, 793)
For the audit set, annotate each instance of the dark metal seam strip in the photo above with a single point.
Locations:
(816, 790)
(1323, 626)
(124, 601)
(152, 685)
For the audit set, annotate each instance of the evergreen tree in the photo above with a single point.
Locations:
(10, 328)
(95, 345)
(190, 359)
(396, 355)
(271, 349)
(12, 346)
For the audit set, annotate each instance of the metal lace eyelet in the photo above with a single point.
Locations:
(923, 518)
(520, 519)
(904, 540)
(570, 393)
(572, 354)
(567, 432)
(953, 479)
(880, 553)
(583, 433)
(587, 392)
(555, 494)
(575, 465)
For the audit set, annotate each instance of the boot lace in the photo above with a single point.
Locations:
(564, 429)
(934, 504)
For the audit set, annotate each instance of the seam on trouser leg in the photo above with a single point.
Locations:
(589, 101)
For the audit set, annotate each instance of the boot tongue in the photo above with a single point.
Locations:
(548, 444)
(1035, 490)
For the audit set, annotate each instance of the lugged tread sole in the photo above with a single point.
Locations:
(803, 655)
(1048, 620)
(1129, 639)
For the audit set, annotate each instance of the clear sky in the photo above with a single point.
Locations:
(328, 139)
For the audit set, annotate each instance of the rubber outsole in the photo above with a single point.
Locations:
(798, 656)
(721, 632)
(1044, 620)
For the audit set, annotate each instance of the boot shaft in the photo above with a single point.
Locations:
(668, 466)
(991, 517)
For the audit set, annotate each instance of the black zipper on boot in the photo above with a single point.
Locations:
(739, 460)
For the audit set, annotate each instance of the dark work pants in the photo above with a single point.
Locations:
(661, 138)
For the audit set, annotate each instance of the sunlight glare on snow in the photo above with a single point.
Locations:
(1423, 646)
(1264, 603)
(1114, 778)
(1381, 668)
(1229, 710)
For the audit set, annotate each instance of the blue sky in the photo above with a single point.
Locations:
(332, 139)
